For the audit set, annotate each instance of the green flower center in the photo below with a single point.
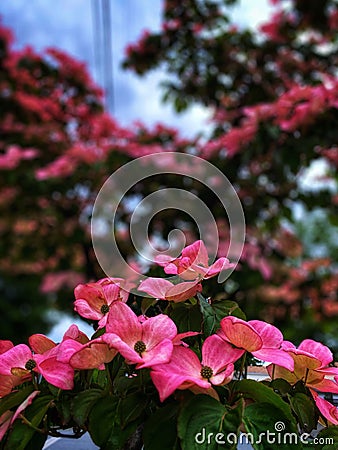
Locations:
(104, 309)
(30, 364)
(140, 347)
(206, 372)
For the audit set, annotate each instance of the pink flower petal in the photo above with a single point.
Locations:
(24, 405)
(111, 292)
(217, 353)
(126, 350)
(67, 349)
(56, 373)
(183, 291)
(269, 334)
(157, 287)
(40, 343)
(275, 355)
(163, 260)
(276, 371)
(160, 354)
(93, 356)
(241, 334)
(182, 372)
(5, 345)
(5, 421)
(329, 411)
(171, 269)
(167, 384)
(223, 377)
(74, 333)
(328, 371)
(326, 385)
(317, 349)
(157, 328)
(304, 360)
(197, 253)
(123, 322)
(178, 338)
(6, 384)
(82, 307)
(15, 357)
(92, 294)
(287, 345)
(218, 266)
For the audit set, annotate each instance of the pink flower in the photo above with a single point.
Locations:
(165, 290)
(7, 382)
(144, 343)
(311, 360)
(193, 263)
(185, 371)
(93, 300)
(49, 360)
(262, 340)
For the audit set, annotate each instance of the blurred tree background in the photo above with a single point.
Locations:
(273, 93)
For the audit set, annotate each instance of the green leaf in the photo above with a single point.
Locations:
(124, 438)
(132, 407)
(37, 442)
(281, 386)
(102, 417)
(269, 427)
(22, 434)
(82, 404)
(147, 302)
(15, 399)
(204, 423)
(259, 392)
(160, 430)
(213, 313)
(305, 409)
(187, 317)
(227, 308)
(104, 424)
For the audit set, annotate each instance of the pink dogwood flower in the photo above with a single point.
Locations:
(165, 290)
(193, 264)
(20, 361)
(144, 343)
(93, 300)
(72, 340)
(311, 365)
(185, 371)
(262, 340)
(49, 359)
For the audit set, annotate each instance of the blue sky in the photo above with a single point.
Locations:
(68, 24)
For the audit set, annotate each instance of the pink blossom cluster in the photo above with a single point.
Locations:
(296, 108)
(154, 343)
